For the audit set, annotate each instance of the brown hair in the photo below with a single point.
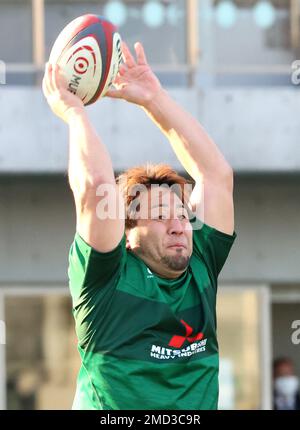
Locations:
(147, 175)
(280, 361)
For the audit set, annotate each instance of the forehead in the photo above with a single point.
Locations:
(159, 197)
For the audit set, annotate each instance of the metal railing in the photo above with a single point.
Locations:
(194, 50)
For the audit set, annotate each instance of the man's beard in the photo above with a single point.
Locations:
(176, 262)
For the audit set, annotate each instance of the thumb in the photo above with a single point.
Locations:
(114, 94)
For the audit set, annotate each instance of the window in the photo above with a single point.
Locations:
(157, 24)
(252, 40)
(41, 351)
(244, 342)
(16, 49)
(162, 27)
(16, 31)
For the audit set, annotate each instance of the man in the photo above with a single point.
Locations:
(144, 288)
(286, 385)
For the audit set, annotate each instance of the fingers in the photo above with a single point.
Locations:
(127, 56)
(114, 94)
(45, 87)
(119, 80)
(53, 80)
(116, 91)
(122, 69)
(48, 83)
(50, 78)
(60, 79)
(140, 54)
(47, 80)
(54, 77)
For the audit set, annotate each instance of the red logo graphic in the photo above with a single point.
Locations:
(178, 341)
(81, 65)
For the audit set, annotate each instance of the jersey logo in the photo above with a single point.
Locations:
(197, 344)
(150, 273)
(178, 341)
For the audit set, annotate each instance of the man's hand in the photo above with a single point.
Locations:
(135, 82)
(61, 101)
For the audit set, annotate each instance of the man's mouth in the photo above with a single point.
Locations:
(177, 245)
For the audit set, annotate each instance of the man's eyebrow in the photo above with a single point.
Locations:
(181, 206)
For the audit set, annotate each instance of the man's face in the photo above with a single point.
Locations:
(163, 234)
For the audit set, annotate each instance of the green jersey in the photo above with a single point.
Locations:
(147, 342)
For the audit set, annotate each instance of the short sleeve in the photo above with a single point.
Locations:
(211, 245)
(90, 270)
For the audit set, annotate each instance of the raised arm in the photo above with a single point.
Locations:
(212, 197)
(196, 151)
(90, 167)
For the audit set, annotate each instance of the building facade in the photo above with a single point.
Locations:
(232, 65)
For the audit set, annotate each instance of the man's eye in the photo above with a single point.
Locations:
(182, 216)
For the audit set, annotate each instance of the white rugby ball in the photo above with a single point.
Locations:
(88, 50)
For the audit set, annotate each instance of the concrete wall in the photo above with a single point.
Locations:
(257, 130)
(37, 225)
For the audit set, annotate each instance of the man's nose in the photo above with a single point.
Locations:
(175, 226)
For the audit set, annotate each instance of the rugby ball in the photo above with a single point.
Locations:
(88, 50)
